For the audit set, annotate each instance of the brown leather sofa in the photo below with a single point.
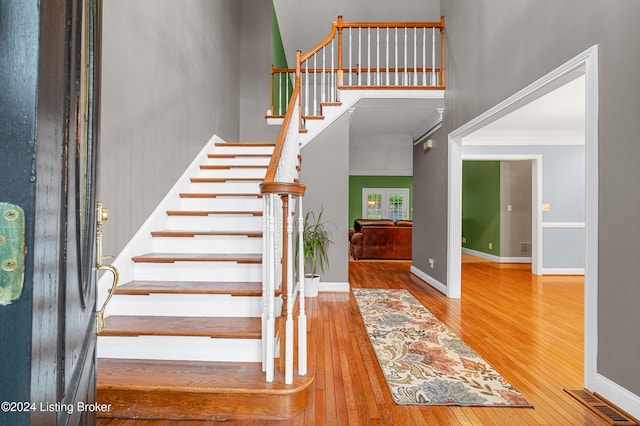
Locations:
(381, 239)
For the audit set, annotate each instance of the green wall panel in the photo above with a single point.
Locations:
(356, 183)
(279, 60)
(481, 205)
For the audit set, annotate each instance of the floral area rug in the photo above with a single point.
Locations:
(423, 361)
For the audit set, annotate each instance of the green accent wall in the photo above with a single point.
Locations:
(356, 183)
(279, 60)
(481, 205)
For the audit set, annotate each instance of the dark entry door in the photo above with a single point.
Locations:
(48, 144)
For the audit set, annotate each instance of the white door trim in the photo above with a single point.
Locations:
(584, 64)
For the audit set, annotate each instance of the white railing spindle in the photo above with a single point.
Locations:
(396, 48)
(302, 316)
(433, 57)
(415, 56)
(424, 56)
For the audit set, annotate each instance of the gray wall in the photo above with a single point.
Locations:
(325, 171)
(497, 47)
(170, 81)
(385, 155)
(255, 73)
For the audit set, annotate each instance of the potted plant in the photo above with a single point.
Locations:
(316, 240)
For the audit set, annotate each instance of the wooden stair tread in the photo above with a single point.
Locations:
(196, 390)
(198, 257)
(225, 180)
(245, 144)
(237, 155)
(203, 375)
(189, 234)
(211, 212)
(232, 327)
(190, 287)
(232, 166)
(217, 194)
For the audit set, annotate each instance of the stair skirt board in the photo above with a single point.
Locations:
(187, 348)
(194, 305)
(231, 149)
(216, 222)
(208, 244)
(198, 271)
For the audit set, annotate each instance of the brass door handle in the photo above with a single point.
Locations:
(102, 215)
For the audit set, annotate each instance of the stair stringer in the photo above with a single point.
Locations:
(349, 98)
(142, 241)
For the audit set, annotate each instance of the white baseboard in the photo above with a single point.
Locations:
(616, 394)
(341, 287)
(494, 258)
(562, 271)
(429, 280)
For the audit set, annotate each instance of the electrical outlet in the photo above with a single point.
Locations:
(431, 263)
(464, 240)
(490, 246)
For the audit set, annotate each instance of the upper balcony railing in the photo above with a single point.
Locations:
(362, 55)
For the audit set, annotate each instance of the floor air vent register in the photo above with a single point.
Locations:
(610, 414)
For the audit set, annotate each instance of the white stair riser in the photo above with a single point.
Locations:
(207, 244)
(215, 222)
(179, 348)
(236, 172)
(198, 271)
(243, 161)
(233, 149)
(222, 203)
(192, 305)
(232, 187)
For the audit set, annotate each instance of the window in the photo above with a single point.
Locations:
(385, 203)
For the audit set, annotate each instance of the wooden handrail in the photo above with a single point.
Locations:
(277, 151)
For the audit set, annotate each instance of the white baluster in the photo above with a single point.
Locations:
(424, 56)
(322, 98)
(415, 56)
(306, 87)
(302, 316)
(333, 75)
(377, 56)
(360, 56)
(404, 78)
(350, 63)
(369, 56)
(387, 47)
(396, 44)
(289, 323)
(265, 280)
(270, 332)
(433, 56)
(315, 85)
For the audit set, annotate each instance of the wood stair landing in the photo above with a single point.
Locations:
(196, 390)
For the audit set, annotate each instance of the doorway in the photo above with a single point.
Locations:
(585, 64)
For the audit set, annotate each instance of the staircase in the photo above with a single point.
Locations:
(182, 335)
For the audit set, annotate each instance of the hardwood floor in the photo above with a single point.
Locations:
(530, 329)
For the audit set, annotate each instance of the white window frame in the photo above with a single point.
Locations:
(385, 200)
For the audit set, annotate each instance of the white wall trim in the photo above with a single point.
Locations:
(334, 287)
(381, 172)
(563, 224)
(429, 279)
(494, 258)
(623, 398)
(563, 271)
(585, 63)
